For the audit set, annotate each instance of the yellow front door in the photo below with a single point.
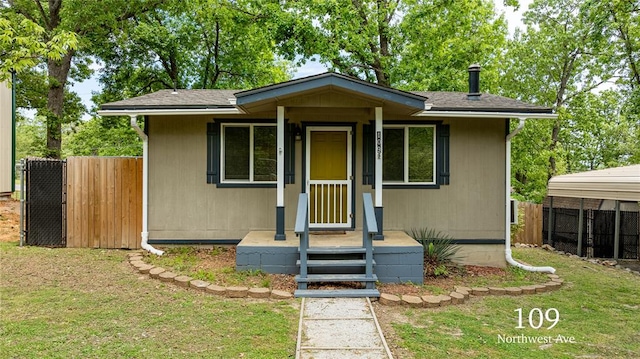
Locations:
(328, 183)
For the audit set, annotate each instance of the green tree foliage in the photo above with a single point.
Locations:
(87, 20)
(598, 134)
(30, 137)
(23, 44)
(411, 44)
(191, 44)
(561, 57)
(440, 39)
(101, 137)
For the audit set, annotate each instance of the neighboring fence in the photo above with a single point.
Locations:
(598, 232)
(531, 229)
(44, 213)
(104, 202)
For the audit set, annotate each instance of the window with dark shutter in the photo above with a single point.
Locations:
(243, 153)
(213, 152)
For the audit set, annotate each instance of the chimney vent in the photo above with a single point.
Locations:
(474, 82)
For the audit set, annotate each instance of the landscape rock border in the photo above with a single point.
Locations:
(458, 296)
(167, 276)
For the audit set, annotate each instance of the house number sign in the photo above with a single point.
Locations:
(379, 144)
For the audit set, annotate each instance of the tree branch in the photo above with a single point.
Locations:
(42, 13)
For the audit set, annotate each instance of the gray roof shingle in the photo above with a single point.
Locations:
(169, 99)
(206, 99)
(457, 101)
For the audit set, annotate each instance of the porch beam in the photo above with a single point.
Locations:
(280, 235)
(378, 173)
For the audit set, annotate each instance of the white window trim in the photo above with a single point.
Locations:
(406, 156)
(251, 150)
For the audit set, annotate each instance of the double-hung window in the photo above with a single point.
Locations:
(248, 153)
(409, 154)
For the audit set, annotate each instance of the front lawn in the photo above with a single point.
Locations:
(84, 303)
(599, 317)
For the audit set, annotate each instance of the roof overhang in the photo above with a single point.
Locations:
(333, 81)
(486, 114)
(621, 183)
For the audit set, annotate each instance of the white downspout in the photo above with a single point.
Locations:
(507, 250)
(145, 188)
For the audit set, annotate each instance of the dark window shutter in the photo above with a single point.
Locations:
(213, 152)
(289, 154)
(442, 154)
(368, 155)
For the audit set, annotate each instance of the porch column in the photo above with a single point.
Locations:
(280, 236)
(378, 174)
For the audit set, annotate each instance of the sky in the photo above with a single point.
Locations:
(84, 89)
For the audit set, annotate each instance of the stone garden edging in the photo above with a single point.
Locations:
(167, 276)
(458, 296)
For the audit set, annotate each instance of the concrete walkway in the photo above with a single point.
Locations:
(340, 328)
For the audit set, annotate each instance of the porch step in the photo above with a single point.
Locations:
(315, 278)
(338, 293)
(335, 263)
(335, 250)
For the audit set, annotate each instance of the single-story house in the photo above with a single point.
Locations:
(225, 166)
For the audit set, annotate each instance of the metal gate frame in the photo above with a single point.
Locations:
(44, 221)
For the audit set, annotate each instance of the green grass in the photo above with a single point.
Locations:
(184, 260)
(598, 306)
(83, 303)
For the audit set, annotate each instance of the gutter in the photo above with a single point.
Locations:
(175, 112)
(507, 249)
(486, 114)
(145, 188)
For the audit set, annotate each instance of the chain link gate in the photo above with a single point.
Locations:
(45, 204)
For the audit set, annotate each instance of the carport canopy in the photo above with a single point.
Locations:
(620, 183)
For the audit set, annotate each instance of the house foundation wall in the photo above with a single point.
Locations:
(398, 258)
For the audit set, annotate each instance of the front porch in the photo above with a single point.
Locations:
(398, 258)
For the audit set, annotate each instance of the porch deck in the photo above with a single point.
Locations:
(399, 258)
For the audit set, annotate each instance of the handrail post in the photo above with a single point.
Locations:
(369, 228)
(302, 230)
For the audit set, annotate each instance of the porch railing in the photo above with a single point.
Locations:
(369, 229)
(329, 200)
(302, 230)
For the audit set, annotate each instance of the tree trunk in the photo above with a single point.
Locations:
(58, 72)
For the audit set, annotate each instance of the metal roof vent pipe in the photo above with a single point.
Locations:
(474, 83)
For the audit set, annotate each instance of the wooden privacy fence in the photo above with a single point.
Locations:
(531, 230)
(104, 202)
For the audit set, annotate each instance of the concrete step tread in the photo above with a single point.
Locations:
(336, 278)
(335, 250)
(335, 262)
(336, 293)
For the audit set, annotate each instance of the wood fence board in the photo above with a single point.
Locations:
(117, 204)
(111, 221)
(84, 194)
(71, 236)
(531, 230)
(104, 213)
(138, 202)
(124, 204)
(90, 204)
(104, 202)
